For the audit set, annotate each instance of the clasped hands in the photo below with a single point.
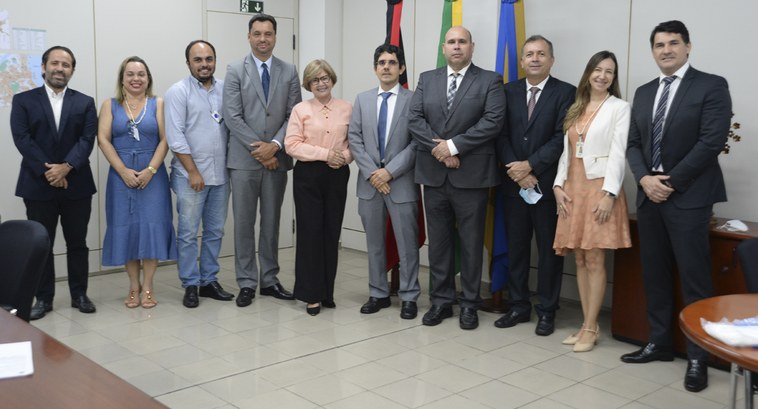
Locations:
(264, 152)
(656, 187)
(379, 179)
(56, 174)
(136, 180)
(441, 152)
(521, 173)
(335, 159)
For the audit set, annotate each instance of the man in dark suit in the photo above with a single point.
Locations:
(385, 155)
(679, 125)
(455, 117)
(54, 129)
(259, 93)
(530, 147)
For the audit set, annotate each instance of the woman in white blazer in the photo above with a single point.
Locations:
(591, 203)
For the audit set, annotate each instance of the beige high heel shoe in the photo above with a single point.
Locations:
(571, 339)
(588, 346)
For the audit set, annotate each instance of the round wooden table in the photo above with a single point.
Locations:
(731, 307)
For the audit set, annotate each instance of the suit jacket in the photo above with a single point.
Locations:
(399, 153)
(38, 141)
(604, 150)
(694, 135)
(538, 139)
(250, 118)
(473, 123)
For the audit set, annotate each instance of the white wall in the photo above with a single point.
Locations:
(578, 29)
(345, 33)
(101, 33)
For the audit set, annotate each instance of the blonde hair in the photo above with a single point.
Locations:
(311, 72)
(119, 81)
(583, 90)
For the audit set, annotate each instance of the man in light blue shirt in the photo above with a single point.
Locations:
(197, 136)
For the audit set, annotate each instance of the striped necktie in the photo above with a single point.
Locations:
(660, 116)
(452, 88)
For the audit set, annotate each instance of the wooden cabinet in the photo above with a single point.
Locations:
(629, 319)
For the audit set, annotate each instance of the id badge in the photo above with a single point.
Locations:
(216, 116)
(579, 149)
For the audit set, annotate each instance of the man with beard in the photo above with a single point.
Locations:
(197, 136)
(54, 129)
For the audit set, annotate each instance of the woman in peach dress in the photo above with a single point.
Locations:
(591, 204)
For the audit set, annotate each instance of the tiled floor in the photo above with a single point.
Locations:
(273, 355)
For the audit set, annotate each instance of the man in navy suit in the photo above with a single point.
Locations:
(54, 129)
(530, 147)
(456, 115)
(679, 125)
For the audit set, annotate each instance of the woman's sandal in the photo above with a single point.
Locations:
(147, 300)
(132, 299)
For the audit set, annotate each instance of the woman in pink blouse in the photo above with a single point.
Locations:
(317, 138)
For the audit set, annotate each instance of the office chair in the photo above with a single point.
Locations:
(24, 248)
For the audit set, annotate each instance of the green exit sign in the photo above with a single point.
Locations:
(249, 6)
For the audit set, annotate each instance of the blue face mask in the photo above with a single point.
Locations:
(531, 195)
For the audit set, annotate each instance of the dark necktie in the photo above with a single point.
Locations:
(532, 102)
(451, 89)
(265, 80)
(660, 116)
(382, 124)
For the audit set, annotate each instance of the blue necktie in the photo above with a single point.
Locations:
(382, 124)
(660, 116)
(265, 79)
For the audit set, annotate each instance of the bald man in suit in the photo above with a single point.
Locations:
(259, 93)
(386, 154)
(455, 117)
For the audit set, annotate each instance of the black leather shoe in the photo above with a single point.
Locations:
(190, 299)
(375, 304)
(215, 291)
(648, 353)
(696, 378)
(84, 304)
(328, 304)
(313, 311)
(277, 291)
(469, 319)
(39, 309)
(245, 297)
(511, 319)
(408, 310)
(545, 325)
(436, 314)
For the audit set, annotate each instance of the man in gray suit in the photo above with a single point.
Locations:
(455, 117)
(259, 93)
(385, 154)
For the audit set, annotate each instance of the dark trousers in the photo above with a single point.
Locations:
(669, 234)
(521, 219)
(447, 207)
(74, 217)
(320, 194)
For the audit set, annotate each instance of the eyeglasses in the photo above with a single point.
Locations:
(325, 79)
(391, 63)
